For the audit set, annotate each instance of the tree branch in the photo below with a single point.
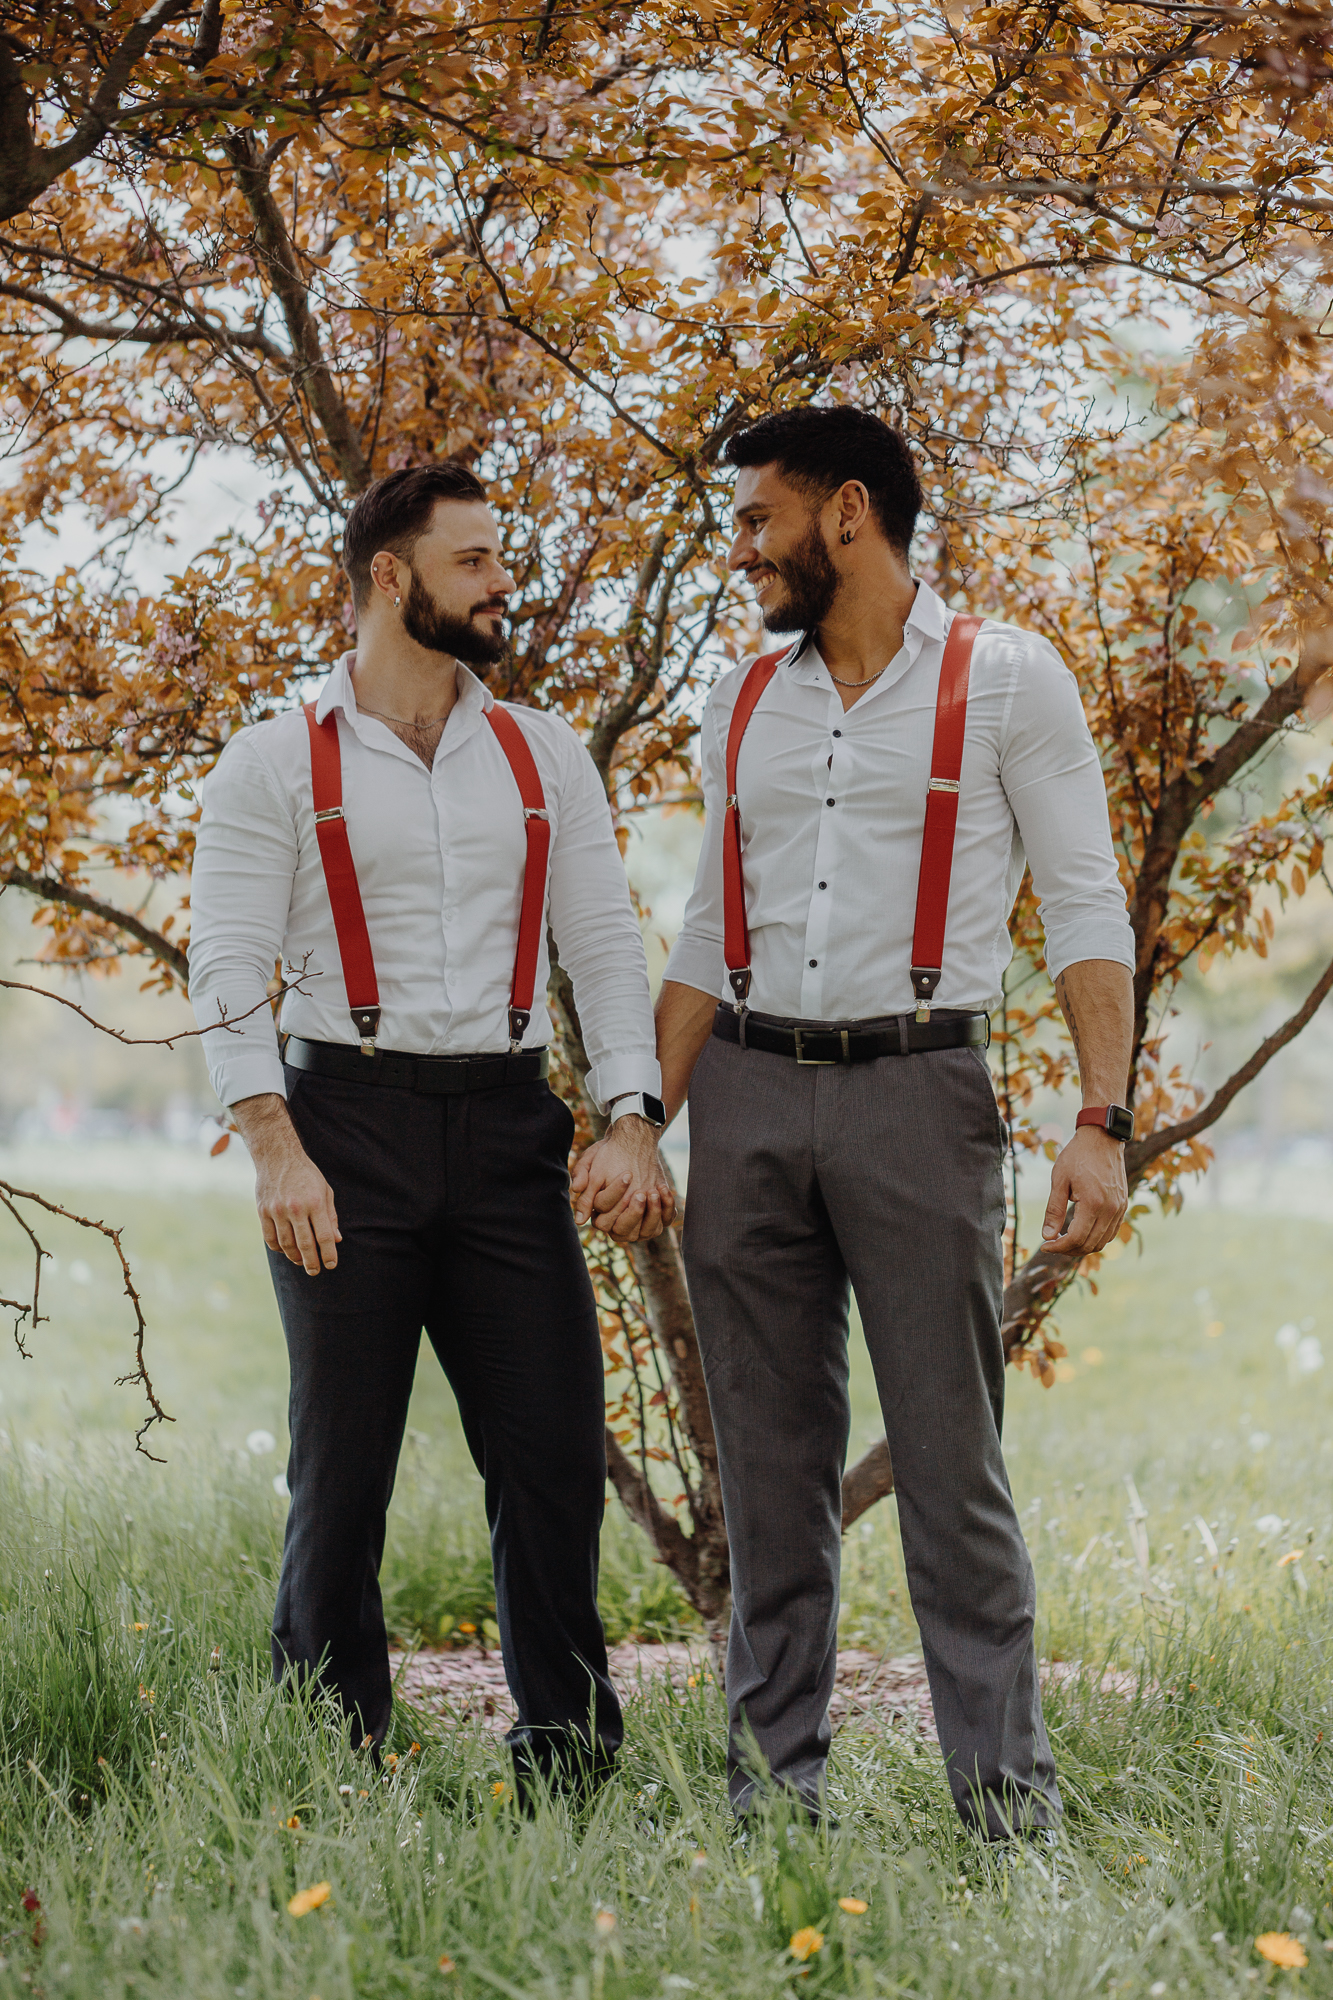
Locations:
(26, 169)
(1140, 1153)
(52, 890)
(311, 369)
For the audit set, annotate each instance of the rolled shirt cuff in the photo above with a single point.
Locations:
(697, 962)
(617, 1075)
(248, 1073)
(1094, 937)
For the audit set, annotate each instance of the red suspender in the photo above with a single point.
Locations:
(736, 931)
(335, 851)
(537, 823)
(946, 763)
(349, 919)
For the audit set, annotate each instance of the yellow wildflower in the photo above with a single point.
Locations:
(806, 1942)
(853, 1905)
(306, 1900)
(1281, 1949)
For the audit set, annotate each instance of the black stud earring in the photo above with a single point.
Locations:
(847, 537)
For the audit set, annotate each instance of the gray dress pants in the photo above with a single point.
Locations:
(887, 1174)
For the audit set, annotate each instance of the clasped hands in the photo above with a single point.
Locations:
(621, 1186)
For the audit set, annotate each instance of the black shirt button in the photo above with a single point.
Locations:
(837, 732)
(814, 961)
(823, 885)
(828, 802)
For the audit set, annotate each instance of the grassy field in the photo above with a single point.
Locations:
(163, 1805)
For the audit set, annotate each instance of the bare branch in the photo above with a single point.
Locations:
(1140, 1153)
(52, 890)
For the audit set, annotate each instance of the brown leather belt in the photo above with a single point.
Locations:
(437, 1076)
(823, 1042)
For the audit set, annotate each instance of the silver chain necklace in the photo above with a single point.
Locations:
(855, 684)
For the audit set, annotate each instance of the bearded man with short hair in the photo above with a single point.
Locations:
(872, 792)
(403, 845)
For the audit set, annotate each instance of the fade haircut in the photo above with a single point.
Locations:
(395, 513)
(818, 450)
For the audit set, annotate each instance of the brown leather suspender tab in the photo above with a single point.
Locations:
(937, 836)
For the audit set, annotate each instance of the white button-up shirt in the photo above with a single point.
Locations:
(439, 858)
(832, 806)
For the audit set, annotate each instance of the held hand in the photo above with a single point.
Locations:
(621, 1185)
(1090, 1173)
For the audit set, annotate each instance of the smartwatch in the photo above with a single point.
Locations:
(642, 1106)
(1113, 1118)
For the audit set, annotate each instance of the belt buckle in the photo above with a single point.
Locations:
(820, 1062)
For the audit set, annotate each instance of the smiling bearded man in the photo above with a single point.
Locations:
(406, 840)
(871, 792)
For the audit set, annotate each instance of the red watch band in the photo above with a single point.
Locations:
(1113, 1118)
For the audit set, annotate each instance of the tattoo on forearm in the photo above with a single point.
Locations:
(1062, 994)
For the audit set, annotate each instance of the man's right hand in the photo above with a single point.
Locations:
(294, 1200)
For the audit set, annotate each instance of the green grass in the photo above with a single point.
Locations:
(145, 1795)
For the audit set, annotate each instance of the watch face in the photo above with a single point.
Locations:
(655, 1111)
(1119, 1122)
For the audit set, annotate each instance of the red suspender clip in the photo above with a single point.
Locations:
(349, 918)
(937, 839)
(937, 836)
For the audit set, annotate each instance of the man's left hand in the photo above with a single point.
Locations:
(1090, 1173)
(621, 1185)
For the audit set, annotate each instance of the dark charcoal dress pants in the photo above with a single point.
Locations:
(455, 1217)
(887, 1174)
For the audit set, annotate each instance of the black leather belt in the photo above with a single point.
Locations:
(438, 1076)
(851, 1041)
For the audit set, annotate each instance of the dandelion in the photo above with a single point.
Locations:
(345, 1792)
(414, 1750)
(465, 1627)
(139, 1627)
(853, 1905)
(1281, 1949)
(392, 1760)
(699, 1863)
(806, 1942)
(363, 1795)
(215, 1660)
(604, 1922)
(293, 1822)
(446, 1964)
(306, 1900)
(260, 1443)
(500, 1790)
(1292, 1556)
(147, 1696)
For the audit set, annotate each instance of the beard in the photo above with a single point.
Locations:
(459, 638)
(810, 584)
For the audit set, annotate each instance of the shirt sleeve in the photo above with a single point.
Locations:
(598, 938)
(698, 957)
(240, 892)
(1056, 789)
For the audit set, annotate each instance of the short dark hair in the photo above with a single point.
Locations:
(395, 512)
(818, 449)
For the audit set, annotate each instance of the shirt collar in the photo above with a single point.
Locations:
(929, 619)
(474, 698)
